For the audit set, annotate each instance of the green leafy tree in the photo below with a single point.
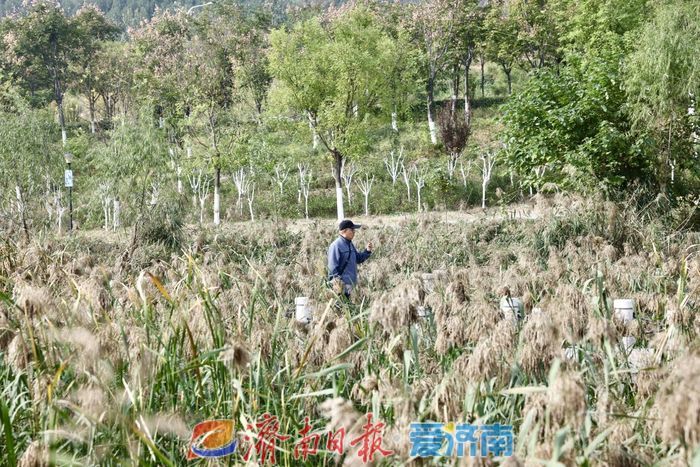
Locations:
(662, 82)
(573, 126)
(41, 46)
(27, 157)
(93, 29)
(336, 77)
(502, 43)
(434, 25)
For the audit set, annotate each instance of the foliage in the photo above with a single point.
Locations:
(663, 82)
(575, 123)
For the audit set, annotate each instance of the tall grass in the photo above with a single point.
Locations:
(104, 365)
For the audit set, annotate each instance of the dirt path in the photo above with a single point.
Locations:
(513, 211)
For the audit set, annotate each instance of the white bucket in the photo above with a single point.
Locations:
(512, 307)
(569, 353)
(640, 358)
(628, 343)
(303, 310)
(428, 282)
(624, 309)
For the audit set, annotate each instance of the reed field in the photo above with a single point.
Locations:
(113, 349)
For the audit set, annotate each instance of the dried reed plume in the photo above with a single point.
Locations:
(539, 343)
(235, 355)
(492, 357)
(678, 401)
(571, 312)
(36, 301)
(36, 455)
(168, 424)
(396, 309)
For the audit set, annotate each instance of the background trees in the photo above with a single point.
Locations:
(574, 94)
(663, 83)
(336, 76)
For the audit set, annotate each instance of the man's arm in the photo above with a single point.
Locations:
(363, 256)
(334, 260)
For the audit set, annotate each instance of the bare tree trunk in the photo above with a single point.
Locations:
(313, 131)
(455, 86)
(483, 78)
(394, 120)
(510, 80)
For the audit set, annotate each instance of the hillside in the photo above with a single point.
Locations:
(126, 12)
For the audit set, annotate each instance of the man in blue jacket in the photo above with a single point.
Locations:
(343, 257)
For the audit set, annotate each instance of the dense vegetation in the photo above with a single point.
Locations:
(162, 307)
(120, 11)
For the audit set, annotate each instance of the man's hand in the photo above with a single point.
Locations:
(369, 246)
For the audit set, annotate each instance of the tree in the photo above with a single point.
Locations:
(93, 29)
(663, 78)
(26, 156)
(161, 48)
(502, 44)
(249, 55)
(403, 61)
(41, 45)
(538, 30)
(575, 123)
(211, 86)
(336, 76)
(434, 31)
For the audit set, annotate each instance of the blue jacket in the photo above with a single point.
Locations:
(343, 259)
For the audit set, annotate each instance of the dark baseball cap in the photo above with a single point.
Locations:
(348, 224)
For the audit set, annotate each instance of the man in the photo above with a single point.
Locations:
(343, 257)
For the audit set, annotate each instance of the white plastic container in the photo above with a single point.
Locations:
(624, 309)
(628, 343)
(303, 310)
(428, 282)
(512, 307)
(569, 353)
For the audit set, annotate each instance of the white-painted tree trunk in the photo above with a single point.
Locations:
(433, 128)
(339, 201)
(394, 121)
(488, 161)
(250, 194)
(115, 216)
(64, 136)
(217, 205)
(365, 185)
(106, 209)
(420, 183)
(313, 132)
(407, 181)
